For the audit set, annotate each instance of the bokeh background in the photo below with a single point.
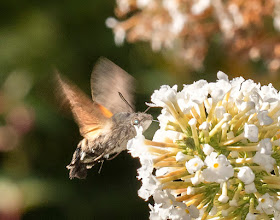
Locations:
(38, 136)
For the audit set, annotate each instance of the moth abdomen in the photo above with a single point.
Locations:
(76, 167)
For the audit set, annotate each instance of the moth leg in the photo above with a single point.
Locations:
(113, 157)
(99, 157)
(99, 171)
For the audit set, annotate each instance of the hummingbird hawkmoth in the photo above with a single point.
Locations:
(106, 122)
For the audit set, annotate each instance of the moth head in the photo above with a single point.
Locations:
(141, 119)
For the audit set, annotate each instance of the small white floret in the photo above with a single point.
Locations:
(225, 126)
(227, 117)
(162, 171)
(190, 190)
(263, 118)
(136, 146)
(265, 146)
(251, 132)
(204, 126)
(265, 161)
(148, 188)
(266, 204)
(217, 95)
(250, 216)
(223, 199)
(192, 122)
(218, 168)
(247, 106)
(246, 175)
(230, 135)
(194, 165)
(194, 212)
(233, 203)
(220, 111)
(222, 76)
(207, 149)
(198, 178)
(180, 157)
(164, 94)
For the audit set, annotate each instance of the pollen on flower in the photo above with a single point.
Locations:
(216, 154)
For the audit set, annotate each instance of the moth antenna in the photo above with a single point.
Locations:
(126, 102)
(147, 109)
(156, 121)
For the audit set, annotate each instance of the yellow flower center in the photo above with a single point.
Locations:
(216, 165)
(195, 164)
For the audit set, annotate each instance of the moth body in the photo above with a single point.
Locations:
(113, 140)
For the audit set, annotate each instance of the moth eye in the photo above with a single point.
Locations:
(136, 122)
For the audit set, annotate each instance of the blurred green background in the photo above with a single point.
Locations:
(38, 138)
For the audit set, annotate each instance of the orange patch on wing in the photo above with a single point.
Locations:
(93, 130)
(105, 111)
(91, 133)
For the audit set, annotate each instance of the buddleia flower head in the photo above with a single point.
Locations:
(216, 154)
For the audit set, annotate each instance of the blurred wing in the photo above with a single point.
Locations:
(89, 115)
(107, 80)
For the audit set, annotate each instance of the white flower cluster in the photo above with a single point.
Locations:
(216, 154)
(188, 27)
